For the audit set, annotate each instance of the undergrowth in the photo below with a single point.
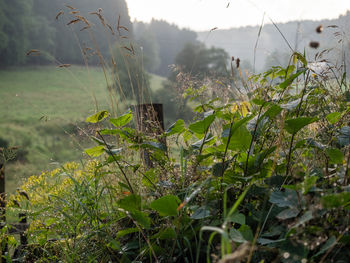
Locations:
(259, 180)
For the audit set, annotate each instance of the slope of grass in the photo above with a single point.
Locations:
(41, 111)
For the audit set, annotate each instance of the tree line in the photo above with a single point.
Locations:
(47, 26)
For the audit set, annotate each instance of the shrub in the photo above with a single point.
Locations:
(264, 178)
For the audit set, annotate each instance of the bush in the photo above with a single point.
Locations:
(264, 179)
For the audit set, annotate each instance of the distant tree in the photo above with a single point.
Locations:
(15, 24)
(201, 62)
(69, 40)
(32, 24)
(170, 40)
(145, 38)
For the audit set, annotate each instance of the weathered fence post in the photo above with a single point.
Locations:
(23, 222)
(150, 121)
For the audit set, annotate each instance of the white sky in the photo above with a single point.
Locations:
(203, 15)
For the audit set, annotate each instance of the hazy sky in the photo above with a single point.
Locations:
(206, 14)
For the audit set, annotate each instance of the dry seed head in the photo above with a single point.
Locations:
(70, 7)
(74, 21)
(314, 44)
(83, 19)
(64, 65)
(86, 27)
(58, 14)
(319, 29)
(110, 28)
(33, 51)
(238, 62)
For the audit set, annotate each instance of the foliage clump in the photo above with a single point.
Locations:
(261, 177)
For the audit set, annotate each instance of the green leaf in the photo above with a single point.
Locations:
(130, 203)
(308, 183)
(303, 219)
(288, 213)
(288, 198)
(290, 80)
(201, 212)
(272, 112)
(127, 231)
(330, 242)
(237, 218)
(197, 145)
(175, 128)
(97, 117)
(141, 218)
(240, 139)
(336, 200)
(95, 151)
(237, 236)
(266, 241)
(301, 58)
(291, 105)
(333, 117)
(335, 156)
(294, 125)
(168, 233)
(344, 136)
(247, 232)
(200, 127)
(166, 205)
(122, 120)
(154, 146)
(114, 151)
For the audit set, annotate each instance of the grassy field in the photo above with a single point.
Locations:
(41, 111)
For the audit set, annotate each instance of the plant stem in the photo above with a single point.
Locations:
(116, 161)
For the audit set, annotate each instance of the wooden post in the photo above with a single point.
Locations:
(23, 235)
(150, 121)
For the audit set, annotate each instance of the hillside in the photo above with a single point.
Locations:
(272, 48)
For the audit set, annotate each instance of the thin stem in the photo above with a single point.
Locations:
(252, 141)
(116, 161)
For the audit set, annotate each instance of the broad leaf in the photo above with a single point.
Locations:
(240, 139)
(122, 120)
(201, 212)
(175, 128)
(288, 213)
(288, 198)
(290, 80)
(330, 242)
(336, 200)
(333, 117)
(130, 203)
(335, 156)
(344, 136)
(97, 117)
(95, 151)
(141, 218)
(237, 218)
(294, 125)
(200, 127)
(127, 231)
(236, 236)
(166, 205)
(168, 233)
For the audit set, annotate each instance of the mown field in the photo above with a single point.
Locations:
(42, 110)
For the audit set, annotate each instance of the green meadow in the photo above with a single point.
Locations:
(43, 111)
